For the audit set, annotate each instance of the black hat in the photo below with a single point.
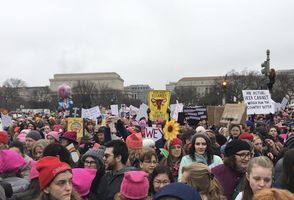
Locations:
(236, 145)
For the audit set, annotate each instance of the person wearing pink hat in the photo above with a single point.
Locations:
(82, 179)
(3, 140)
(53, 137)
(135, 147)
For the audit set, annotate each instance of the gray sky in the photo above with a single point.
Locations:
(145, 41)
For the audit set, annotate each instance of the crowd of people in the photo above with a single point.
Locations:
(41, 159)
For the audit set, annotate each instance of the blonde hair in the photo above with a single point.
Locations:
(201, 178)
(273, 194)
(40, 143)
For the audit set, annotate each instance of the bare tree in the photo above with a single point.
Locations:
(14, 83)
(284, 85)
(83, 93)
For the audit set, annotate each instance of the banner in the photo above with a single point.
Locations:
(75, 124)
(234, 114)
(153, 133)
(158, 101)
(91, 113)
(194, 114)
(258, 102)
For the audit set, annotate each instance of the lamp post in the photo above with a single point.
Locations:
(225, 87)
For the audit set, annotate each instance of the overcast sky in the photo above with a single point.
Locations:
(145, 41)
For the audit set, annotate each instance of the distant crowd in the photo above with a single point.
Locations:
(41, 159)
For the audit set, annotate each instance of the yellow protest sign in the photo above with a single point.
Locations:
(75, 124)
(158, 101)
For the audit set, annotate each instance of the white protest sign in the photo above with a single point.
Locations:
(258, 102)
(6, 120)
(133, 110)
(179, 108)
(142, 112)
(284, 103)
(114, 109)
(91, 113)
(153, 133)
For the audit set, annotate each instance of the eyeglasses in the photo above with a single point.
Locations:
(159, 182)
(89, 162)
(107, 155)
(244, 155)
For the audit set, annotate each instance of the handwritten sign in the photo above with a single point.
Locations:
(91, 113)
(258, 102)
(153, 133)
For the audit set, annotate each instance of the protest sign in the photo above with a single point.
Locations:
(114, 110)
(178, 108)
(153, 133)
(142, 112)
(284, 103)
(234, 114)
(91, 113)
(6, 120)
(214, 114)
(75, 124)
(194, 114)
(158, 101)
(258, 102)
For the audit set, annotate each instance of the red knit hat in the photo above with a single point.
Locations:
(135, 140)
(49, 167)
(175, 141)
(3, 137)
(246, 136)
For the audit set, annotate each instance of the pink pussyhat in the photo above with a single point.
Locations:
(10, 161)
(82, 179)
(54, 134)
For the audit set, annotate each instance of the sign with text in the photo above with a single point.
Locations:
(214, 114)
(194, 114)
(114, 109)
(234, 114)
(178, 108)
(153, 133)
(158, 101)
(258, 102)
(142, 112)
(91, 113)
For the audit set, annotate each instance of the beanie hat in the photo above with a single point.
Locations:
(175, 141)
(200, 129)
(135, 185)
(49, 167)
(10, 161)
(178, 190)
(21, 137)
(246, 136)
(70, 135)
(95, 153)
(148, 142)
(35, 135)
(82, 179)
(58, 128)
(53, 134)
(3, 137)
(135, 140)
(236, 145)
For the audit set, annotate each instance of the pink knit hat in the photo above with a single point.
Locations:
(135, 185)
(10, 161)
(54, 134)
(135, 140)
(21, 137)
(82, 179)
(70, 135)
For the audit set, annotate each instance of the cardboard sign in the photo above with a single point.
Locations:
(91, 113)
(234, 114)
(284, 103)
(75, 124)
(153, 133)
(158, 101)
(258, 102)
(194, 114)
(214, 114)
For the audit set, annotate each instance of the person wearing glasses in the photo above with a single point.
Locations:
(236, 160)
(148, 160)
(93, 158)
(115, 158)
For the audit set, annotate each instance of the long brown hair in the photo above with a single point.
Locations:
(200, 177)
(261, 161)
(45, 196)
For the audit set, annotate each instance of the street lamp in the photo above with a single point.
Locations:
(225, 87)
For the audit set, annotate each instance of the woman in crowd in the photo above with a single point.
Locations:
(55, 179)
(99, 135)
(234, 132)
(93, 158)
(257, 144)
(200, 151)
(161, 176)
(38, 148)
(59, 151)
(53, 137)
(259, 175)
(148, 160)
(174, 157)
(273, 194)
(135, 147)
(230, 174)
(275, 132)
(272, 148)
(198, 175)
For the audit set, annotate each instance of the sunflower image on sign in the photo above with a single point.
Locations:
(171, 130)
